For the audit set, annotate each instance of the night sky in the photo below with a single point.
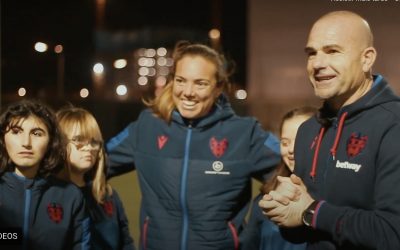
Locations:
(73, 24)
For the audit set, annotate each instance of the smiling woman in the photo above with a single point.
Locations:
(195, 86)
(50, 213)
(194, 156)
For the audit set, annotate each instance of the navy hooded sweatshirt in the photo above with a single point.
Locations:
(195, 177)
(261, 233)
(350, 161)
(108, 222)
(50, 212)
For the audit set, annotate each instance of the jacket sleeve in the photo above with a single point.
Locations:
(250, 237)
(80, 227)
(378, 228)
(264, 152)
(120, 151)
(126, 239)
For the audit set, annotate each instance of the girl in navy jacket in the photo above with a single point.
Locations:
(85, 168)
(261, 233)
(50, 213)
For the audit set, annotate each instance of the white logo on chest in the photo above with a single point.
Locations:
(217, 167)
(348, 165)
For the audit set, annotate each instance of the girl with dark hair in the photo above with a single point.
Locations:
(194, 156)
(50, 212)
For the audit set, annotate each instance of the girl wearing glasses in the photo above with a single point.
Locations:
(49, 212)
(85, 168)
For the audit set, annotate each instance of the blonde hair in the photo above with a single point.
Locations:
(70, 118)
(163, 104)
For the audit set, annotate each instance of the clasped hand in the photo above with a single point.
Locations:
(286, 203)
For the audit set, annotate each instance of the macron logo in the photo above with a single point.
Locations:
(348, 165)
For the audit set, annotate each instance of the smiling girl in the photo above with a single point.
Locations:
(261, 233)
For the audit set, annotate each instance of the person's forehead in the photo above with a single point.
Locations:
(29, 120)
(74, 129)
(195, 67)
(330, 35)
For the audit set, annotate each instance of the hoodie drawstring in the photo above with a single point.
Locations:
(315, 158)
(334, 147)
(338, 134)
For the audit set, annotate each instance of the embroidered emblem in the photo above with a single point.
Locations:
(356, 144)
(108, 207)
(217, 166)
(162, 139)
(55, 212)
(218, 147)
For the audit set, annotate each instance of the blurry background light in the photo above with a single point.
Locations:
(58, 49)
(142, 80)
(150, 52)
(241, 94)
(152, 72)
(121, 90)
(150, 62)
(214, 34)
(161, 51)
(120, 63)
(98, 68)
(84, 92)
(142, 61)
(22, 91)
(161, 61)
(40, 47)
(143, 71)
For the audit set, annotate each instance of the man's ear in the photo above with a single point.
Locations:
(368, 59)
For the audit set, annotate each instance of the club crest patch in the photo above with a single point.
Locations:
(162, 139)
(108, 207)
(218, 147)
(55, 212)
(355, 144)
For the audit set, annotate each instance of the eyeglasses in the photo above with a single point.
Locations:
(80, 143)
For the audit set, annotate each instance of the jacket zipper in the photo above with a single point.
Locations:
(25, 229)
(234, 234)
(185, 221)
(144, 232)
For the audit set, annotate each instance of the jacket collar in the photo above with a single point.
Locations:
(221, 110)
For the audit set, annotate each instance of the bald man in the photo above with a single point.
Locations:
(343, 194)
